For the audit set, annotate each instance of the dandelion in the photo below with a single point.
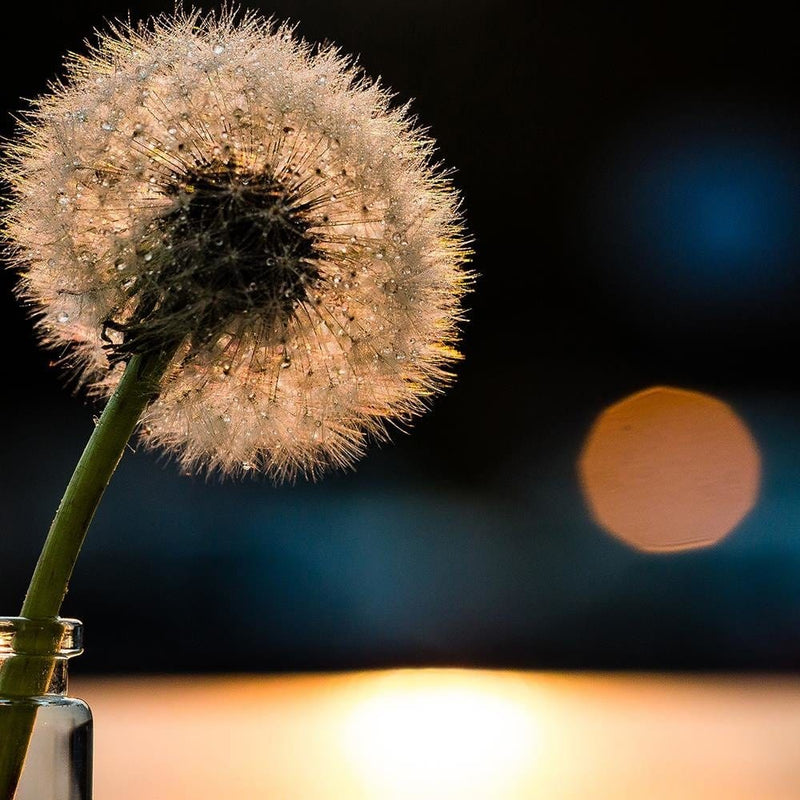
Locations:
(220, 190)
(239, 240)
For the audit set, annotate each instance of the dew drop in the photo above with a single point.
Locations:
(63, 317)
(108, 126)
(219, 49)
(246, 466)
(148, 256)
(286, 363)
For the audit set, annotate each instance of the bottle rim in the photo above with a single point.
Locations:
(59, 637)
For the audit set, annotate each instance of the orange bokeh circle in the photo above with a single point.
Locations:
(669, 469)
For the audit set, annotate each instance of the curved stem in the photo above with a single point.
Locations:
(24, 675)
(103, 452)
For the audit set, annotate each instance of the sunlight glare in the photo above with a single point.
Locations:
(441, 734)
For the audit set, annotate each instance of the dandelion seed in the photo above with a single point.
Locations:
(218, 187)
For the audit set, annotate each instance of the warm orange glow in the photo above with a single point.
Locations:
(442, 734)
(670, 469)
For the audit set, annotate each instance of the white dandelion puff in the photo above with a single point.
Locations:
(217, 187)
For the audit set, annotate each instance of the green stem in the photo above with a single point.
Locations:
(23, 676)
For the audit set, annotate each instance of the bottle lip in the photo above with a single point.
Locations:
(60, 637)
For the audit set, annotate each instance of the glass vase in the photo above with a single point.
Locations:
(49, 730)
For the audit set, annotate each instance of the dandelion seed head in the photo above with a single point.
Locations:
(214, 185)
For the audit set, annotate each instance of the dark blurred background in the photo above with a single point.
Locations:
(631, 175)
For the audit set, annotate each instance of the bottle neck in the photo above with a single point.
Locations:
(52, 677)
(34, 653)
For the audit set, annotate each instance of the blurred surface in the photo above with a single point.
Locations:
(446, 735)
(631, 176)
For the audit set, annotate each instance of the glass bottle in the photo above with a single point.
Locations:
(58, 764)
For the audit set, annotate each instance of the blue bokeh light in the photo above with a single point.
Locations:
(703, 213)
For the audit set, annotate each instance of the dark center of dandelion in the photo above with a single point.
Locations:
(237, 247)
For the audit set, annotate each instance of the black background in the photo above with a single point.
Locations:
(630, 177)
